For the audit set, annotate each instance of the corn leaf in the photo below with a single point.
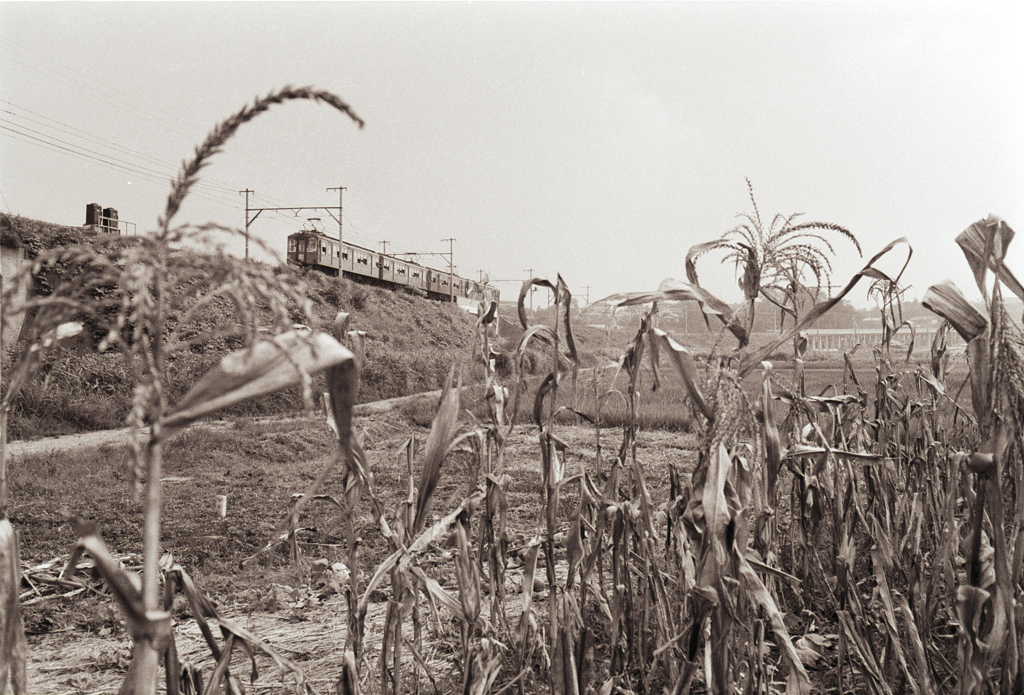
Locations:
(342, 384)
(527, 286)
(773, 441)
(672, 290)
(467, 571)
(984, 244)
(406, 555)
(250, 642)
(946, 300)
(866, 654)
(717, 514)
(442, 431)
(438, 593)
(564, 297)
(267, 366)
(684, 363)
(149, 630)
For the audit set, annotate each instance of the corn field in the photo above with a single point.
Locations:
(864, 539)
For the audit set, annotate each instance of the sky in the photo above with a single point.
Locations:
(596, 140)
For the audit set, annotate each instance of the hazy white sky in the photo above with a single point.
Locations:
(599, 140)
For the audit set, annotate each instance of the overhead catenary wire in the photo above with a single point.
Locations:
(204, 189)
(150, 112)
(105, 94)
(34, 127)
(64, 129)
(87, 157)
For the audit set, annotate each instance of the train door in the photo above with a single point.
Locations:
(416, 278)
(401, 273)
(362, 264)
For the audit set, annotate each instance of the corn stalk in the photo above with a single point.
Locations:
(991, 629)
(146, 297)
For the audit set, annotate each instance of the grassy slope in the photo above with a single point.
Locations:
(410, 346)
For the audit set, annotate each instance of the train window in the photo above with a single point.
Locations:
(401, 270)
(291, 246)
(360, 258)
(416, 273)
(345, 255)
(385, 266)
(323, 249)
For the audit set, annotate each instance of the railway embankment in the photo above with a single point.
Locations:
(409, 345)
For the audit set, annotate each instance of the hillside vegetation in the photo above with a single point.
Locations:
(410, 344)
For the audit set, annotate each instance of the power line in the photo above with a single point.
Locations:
(63, 128)
(112, 97)
(39, 142)
(84, 150)
(168, 170)
(103, 95)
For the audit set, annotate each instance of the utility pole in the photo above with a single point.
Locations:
(247, 221)
(295, 209)
(385, 245)
(451, 268)
(341, 190)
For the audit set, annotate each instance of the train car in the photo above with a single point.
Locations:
(313, 248)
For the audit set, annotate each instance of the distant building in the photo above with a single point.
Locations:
(844, 339)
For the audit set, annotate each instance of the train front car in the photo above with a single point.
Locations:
(307, 248)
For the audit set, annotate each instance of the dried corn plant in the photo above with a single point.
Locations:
(729, 541)
(778, 261)
(411, 539)
(988, 598)
(564, 619)
(859, 508)
(147, 297)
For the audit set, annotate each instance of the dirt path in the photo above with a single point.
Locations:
(116, 438)
(122, 437)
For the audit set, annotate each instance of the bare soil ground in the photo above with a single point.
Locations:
(77, 642)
